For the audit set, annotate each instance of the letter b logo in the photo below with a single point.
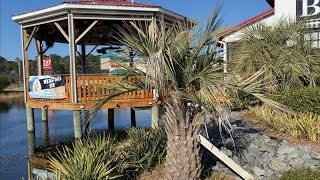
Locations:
(308, 8)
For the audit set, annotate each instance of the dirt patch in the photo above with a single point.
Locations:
(158, 173)
(221, 176)
(11, 96)
(259, 125)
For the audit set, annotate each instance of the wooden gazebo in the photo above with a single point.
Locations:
(83, 22)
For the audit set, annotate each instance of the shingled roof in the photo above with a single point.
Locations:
(111, 3)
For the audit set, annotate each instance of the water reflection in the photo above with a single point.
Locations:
(4, 107)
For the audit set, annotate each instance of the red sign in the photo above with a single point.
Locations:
(47, 64)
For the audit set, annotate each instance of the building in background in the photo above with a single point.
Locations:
(293, 10)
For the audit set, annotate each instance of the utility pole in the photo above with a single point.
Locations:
(19, 69)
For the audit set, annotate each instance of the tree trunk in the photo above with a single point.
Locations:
(183, 158)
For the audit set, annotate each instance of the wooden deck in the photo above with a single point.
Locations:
(90, 91)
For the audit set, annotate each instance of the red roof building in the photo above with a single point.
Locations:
(288, 9)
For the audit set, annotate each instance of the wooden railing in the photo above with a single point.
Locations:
(94, 87)
(90, 88)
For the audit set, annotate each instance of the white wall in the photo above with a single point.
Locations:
(236, 35)
(285, 9)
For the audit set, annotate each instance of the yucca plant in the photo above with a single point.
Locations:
(85, 160)
(282, 50)
(147, 148)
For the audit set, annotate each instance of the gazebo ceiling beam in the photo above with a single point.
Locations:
(62, 31)
(35, 29)
(92, 50)
(86, 31)
(44, 21)
(44, 17)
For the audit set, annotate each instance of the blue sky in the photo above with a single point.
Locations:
(234, 12)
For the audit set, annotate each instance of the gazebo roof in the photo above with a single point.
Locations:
(104, 16)
(125, 8)
(111, 2)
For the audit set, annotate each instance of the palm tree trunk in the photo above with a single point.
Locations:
(183, 158)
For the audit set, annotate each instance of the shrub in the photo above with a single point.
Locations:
(301, 174)
(4, 82)
(243, 100)
(305, 99)
(302, 125)
(147, 148)
(91, 159)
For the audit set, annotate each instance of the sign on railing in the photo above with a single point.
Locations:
(47, 87)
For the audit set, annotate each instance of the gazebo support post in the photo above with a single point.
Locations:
(73, 74)
(83, 55)
(29, 111)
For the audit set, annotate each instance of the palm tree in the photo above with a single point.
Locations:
(184, 66)
(284, 51)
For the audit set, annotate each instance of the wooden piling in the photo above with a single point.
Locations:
(31, 143)
(111, 119)
(45, 133)
(154, 117)
(133, 118)
(30, 119)
(44, 112)
(77, 124)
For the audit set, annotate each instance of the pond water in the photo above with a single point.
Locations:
(14, 135)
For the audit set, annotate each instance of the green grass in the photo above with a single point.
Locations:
(301, 174)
